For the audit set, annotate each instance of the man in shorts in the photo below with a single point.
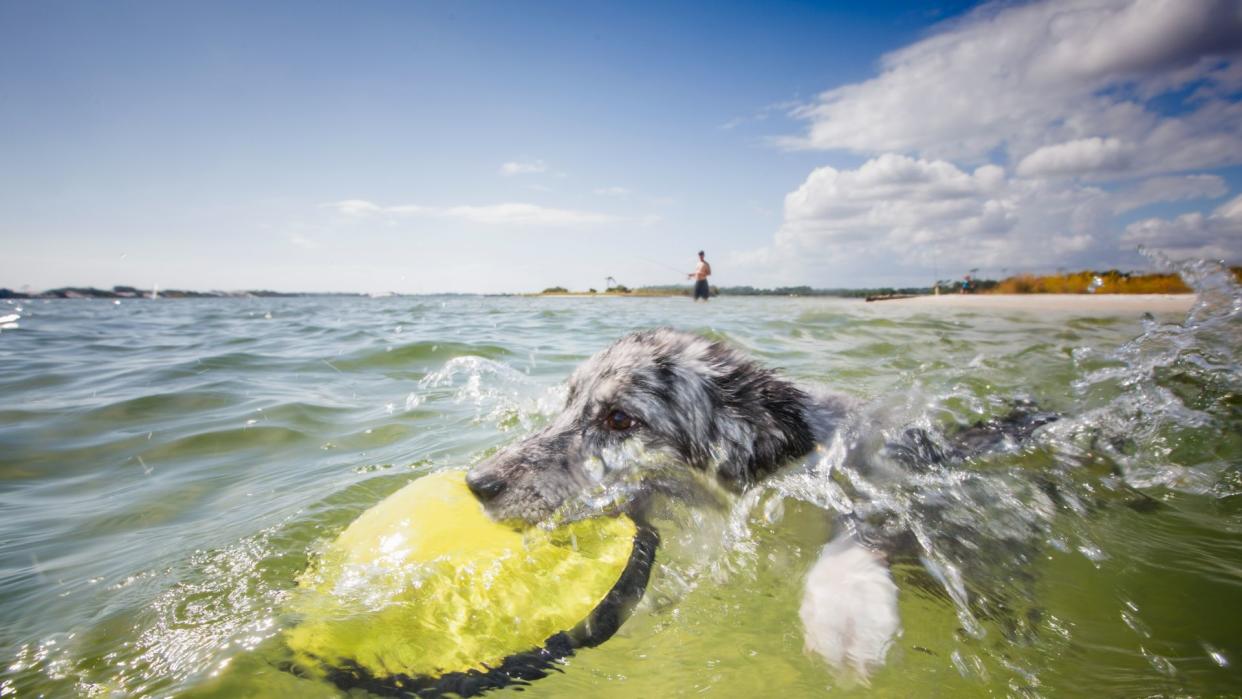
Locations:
(700, 275)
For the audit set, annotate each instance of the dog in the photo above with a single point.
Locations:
(658, 405)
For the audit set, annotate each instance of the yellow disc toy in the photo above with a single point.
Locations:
(423, 594)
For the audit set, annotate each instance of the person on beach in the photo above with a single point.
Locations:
(700, 274)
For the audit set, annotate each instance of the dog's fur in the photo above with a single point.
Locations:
(692, 401)
(693, 405)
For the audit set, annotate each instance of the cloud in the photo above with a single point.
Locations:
(612, 192)
(889, 192)
(896, 214)
(353, 207)
(1086, 155)
(493, 214)
(901, 212)
(760, 115)
(1013, 137)
(1217, 235)
(522, 214)
(1164, 189)
(531, 167)
(1073, 75)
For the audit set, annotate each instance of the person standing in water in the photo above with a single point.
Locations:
(700, 275)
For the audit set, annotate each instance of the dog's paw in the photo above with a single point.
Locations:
(849, 608)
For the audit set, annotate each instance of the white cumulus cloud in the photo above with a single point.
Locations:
(1217, 235)
(899, 212)
(1085, 155)
(1024, 77)
(1013, 137)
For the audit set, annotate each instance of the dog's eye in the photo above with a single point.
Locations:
(619, 420)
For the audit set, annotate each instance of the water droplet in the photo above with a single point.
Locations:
(1135, 623)
(1093, 553)
(1161, 664)
(1216, 655)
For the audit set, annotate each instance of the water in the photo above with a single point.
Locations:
(167, 468)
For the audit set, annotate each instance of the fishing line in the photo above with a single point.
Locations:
(660, 264)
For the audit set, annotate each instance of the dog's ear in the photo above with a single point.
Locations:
(769, 420)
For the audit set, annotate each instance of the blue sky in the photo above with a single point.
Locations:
(512, 146)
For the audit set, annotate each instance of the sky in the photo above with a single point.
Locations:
(508, 147)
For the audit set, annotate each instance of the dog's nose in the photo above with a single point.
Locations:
(486, 488)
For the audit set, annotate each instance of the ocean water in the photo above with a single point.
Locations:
(167, 468)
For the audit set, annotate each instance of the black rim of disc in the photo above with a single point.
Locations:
(523, 667)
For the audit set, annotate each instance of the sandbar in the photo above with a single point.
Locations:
(1106, 304)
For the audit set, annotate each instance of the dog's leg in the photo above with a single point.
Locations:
(849, 608)
(1002, 433)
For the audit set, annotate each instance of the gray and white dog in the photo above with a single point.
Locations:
(671, 400)
(692, 400)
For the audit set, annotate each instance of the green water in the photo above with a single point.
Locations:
(167, 468)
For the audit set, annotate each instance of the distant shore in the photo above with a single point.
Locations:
(1077, 303)
(130, 292)
(1090, 303)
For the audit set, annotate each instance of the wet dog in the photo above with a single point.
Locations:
(690, 400)
(662, 403)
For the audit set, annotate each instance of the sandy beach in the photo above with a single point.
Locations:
(1077, 303)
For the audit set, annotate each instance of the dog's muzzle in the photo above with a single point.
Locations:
(484, 486)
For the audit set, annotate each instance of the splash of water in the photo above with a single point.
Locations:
(1159, 412)
(1161, 401)
(499, 393)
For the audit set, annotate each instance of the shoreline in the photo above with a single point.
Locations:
(1034, 302)
(1078, 303)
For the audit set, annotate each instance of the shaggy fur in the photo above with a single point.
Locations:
(691, 401)
(662, 401)
(849, 607)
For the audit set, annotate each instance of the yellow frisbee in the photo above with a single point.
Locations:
(424, 592)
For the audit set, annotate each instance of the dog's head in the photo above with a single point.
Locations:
(657, 395)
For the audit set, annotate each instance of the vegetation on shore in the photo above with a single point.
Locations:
(686, 290)
(1107, 282)
(1110, 282)
(1086, 282)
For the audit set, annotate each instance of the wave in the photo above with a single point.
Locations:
(415, 354)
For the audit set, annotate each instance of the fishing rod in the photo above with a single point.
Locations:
(660, 264)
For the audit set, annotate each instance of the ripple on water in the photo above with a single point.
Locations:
(416, 353)
(160, 501)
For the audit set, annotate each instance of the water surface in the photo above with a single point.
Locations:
(167, 468)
